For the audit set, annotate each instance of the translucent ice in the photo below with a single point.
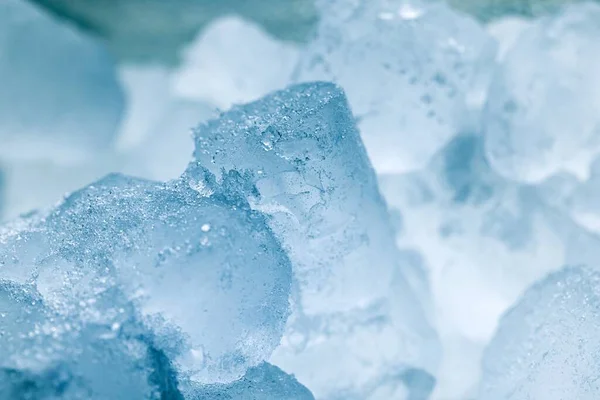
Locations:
(234, 61)
(481, 237)
(357, 321)
(60, 99)
(553, 66)
(411, 71)
(205, 273)
(263, 382)
(547, 346)
(47, 356)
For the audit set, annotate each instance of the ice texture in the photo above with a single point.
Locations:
(45, 355)
(204, 272)
(60, 99)
(552, 66)
(357, 325)
(412, 71)
(547, 345)
(234, 61)
(263, 382)
(480, 237)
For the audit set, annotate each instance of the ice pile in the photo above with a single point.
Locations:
(279, 250)
(60, 99)
(413, 72)
(358, 328)
(547, 345)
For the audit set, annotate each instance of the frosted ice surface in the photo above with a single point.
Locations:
(263, 382)
(47, 356)
(234, 61)
(481, 237)
(553, 66)
(357, 319)
(412, 72)
(187, 261)
(60, 99)
(547, 346)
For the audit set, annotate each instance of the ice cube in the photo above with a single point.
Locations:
(234, 61)
(204, 272)
(552, 66)
(481, 237)
(263, 382)
(60, 99)
(413, 71)
(309, 171)
(547, 345)
(45, 355)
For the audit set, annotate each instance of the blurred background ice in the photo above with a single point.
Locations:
(480, 118)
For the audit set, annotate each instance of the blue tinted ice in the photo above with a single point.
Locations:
(45, 355)
(481, 237)
(234, 61)
(263, 382)
(412, 72)
(552, 66)
(205, 273)
(356, 318)
(60, 99)
(547, 346)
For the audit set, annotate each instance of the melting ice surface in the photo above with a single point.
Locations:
(412, 72)
(547, 346)
(181, 260)
(357, 329)
(60, 99)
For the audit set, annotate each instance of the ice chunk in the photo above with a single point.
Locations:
(310, 173)
(547, 345)
(47, 356)
(232, 62)
(553, 66)
(481, 237)
(205, 273)
(60, 99)
(411, 71)
(263, 382)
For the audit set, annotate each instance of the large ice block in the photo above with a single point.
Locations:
(205, 272)
(413, 72)
(547, 345)
(552, 66)
(356, 318)
(263, 382)
(481, 237)
(60, 99)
